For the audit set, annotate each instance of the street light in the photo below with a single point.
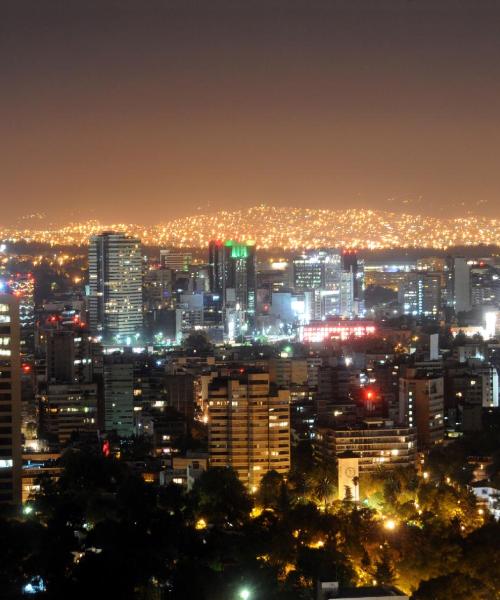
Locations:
(245, 594)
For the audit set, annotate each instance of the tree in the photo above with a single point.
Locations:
(384, 568)
(323, 483)
(220, 498)
(455, 585)
(270, 489)
(197, 342)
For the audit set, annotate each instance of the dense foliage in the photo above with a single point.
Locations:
(101, 531)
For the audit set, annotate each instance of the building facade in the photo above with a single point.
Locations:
(115, 288)
(249, 426)
(10, 402)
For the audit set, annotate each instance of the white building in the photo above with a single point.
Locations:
(115, 288)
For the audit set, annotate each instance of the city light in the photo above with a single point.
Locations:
(282, 227)
(390, 524)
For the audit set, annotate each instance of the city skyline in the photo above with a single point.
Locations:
(181, 108)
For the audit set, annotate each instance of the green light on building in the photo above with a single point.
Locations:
(238, 250)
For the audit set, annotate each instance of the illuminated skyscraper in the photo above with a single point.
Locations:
(115, 288)
(22, 285)
(233, 274)
(317, 270)
(217, 264)
(351, 264)
(420, 294)
(10, 402)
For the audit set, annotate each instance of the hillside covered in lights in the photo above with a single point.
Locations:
(287, 228)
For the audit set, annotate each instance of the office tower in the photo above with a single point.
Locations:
(232, 274)
(317, 270)
(240, 285)
(421, 405)
(420, 294)
(351, 264)
(175, 260)
(249, 426)
(347, 306)
(485, 285)
(461, 285)
(429, 295)
(22, 285)
(10, 402)
(217, 266)
(115, 286)
(60, 356)
(117, 410)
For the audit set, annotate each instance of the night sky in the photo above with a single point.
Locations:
(147, 110)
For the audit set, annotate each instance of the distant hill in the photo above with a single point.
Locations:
(291, 228)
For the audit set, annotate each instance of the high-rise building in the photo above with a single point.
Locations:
(249, 426)
(22, 285)
(461, 285)
(232, 274)
(10, 402)
(316, 271)
(352, 264)
(60, 356)
(217, 266)
(420, 294)
(117, 412)
(115, 288)
(485, 285)
(421, 404)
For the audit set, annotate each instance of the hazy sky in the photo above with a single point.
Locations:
(147, 110)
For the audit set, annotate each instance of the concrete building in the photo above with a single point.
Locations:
(175, 260)
(10, 402)
(285, 372)
(375, 442)
(117, 412)
(68, 408)
(421, 404)
(461, 285)
(420, 294)
(184, 470)
(115, 288)
(249, 426)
